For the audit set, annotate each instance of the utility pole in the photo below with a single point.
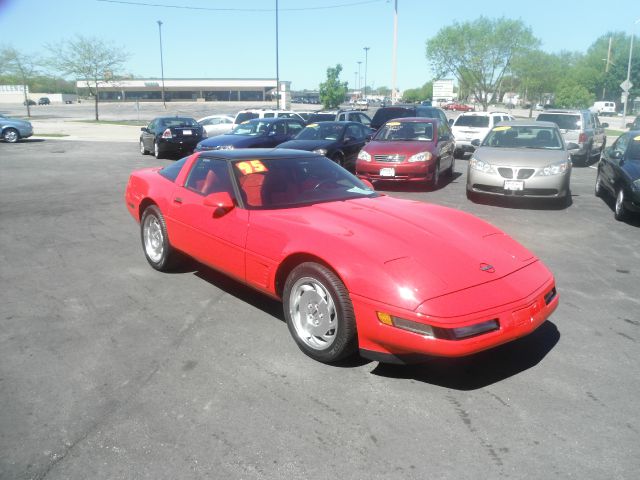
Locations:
(359, 79)
(606, 68)
(161, 63)
(277, 64)
(366, 63)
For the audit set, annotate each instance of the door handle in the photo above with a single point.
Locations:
(177, 200)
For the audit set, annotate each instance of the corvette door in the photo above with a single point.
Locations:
(199, 230)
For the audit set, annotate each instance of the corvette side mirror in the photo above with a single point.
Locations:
(221, 202)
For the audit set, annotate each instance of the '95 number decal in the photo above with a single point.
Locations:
(251, 166)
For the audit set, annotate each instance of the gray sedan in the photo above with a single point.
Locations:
(12, 129)
(521, 158)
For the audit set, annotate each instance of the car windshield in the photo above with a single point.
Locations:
(322, 131)
(252, 128)
(564, 121)
(478, 121)
(507, 136)
(179, 122)
(394, 131)
(292, 182)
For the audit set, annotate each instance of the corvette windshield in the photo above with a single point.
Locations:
(253, 129)
(321, 131)
(413, 131)
(290, 182)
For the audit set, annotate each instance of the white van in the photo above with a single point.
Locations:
(604, 108)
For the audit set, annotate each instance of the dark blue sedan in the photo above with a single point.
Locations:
(255, 133)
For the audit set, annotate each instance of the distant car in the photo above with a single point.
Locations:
(248, 114)
(458, 107)
(384, 114)
(13, 129)
(409, 150)
(29, 101)
(471, 126)
(521, 158)
(362, 104)
(44, 101)
(619, 174)
(538, 107)
(356, 272)
(340, 116)
(170, 135)
(255, 133)
(339, 141)
(581, 127)
(217, 124)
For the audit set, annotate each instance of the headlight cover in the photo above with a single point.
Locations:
(554, 169)
(481, 166)
(364, 156)
(420, 157)
(321, 151)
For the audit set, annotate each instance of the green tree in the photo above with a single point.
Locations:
(418, 94)
(537, 73)
(90, 60)
(478, 53)
(333, 91)
(570, 94)
(21, 67)
(383, 91)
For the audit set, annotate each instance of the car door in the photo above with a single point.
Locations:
(293, 128)
(354, 140)
(609, 166)
(446, 145)
(216, 240)
(149, 135)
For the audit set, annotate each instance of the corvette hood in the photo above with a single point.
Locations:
(423, 250)
(308, 145)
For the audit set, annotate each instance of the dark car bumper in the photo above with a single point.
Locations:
(174, 145)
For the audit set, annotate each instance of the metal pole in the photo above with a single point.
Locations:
(277, 64)
(366, 63)
(626, 97)
(359, 80)
(394, 66)
(161, 63)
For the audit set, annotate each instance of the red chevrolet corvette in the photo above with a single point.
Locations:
(355, 270)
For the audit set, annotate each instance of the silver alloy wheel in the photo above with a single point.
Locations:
(314, 313)
(598, 186)
(156, 149)
(153, 238)
(620, 203)
(142, 149)
(11, 135)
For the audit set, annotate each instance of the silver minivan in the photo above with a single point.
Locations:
(581, 127)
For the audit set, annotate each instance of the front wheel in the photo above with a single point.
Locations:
(319, 313)
(435, 178)
(143, 150)
(620, 211)
(598, 189)
(155, 242)
(11, 135)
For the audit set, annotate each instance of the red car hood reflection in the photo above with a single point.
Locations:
(425, 250)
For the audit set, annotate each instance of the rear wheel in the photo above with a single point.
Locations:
(11, 135)
(155, 242)
(143, 150)
(156, 150)
(435, 178)
(620, 211)
(319, 313)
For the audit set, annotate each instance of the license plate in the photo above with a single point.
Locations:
(187, 132)
(513, 185)
(387, 172)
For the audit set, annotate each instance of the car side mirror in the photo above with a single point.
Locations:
(573, 146)
(475, 142)
(451, 121)
(221, 202)
(616, 155)
(604, 125)
(144, 129)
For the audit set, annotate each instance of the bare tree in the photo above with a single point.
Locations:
(91, 60)
(21, 66)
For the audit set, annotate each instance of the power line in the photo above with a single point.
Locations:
(187, 7)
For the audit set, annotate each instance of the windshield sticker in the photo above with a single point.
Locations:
(361, 191)
(501, 129)
(251, 166)
(393, 124)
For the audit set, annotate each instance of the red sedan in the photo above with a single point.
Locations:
(413, 149)
(458, 107)
(356, 271)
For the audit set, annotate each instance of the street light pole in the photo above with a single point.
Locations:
(277, 64)
(366, 63)
(161, 63)
(359, 78)
(394, 62)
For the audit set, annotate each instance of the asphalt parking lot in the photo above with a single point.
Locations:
(110, 369)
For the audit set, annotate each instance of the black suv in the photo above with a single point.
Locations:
(401, 111)
(44, 101)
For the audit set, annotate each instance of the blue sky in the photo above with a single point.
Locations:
(238, 41)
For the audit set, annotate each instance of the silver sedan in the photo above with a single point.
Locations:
(521, 158)
(12, 129)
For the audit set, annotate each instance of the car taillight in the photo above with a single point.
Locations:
(167, 133)
(582, 138)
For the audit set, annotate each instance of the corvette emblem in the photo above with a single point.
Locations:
(485, 267)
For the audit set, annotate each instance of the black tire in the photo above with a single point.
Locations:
(156, 150)
(319, 313)
(11, 135)
(598, 190)
(338, 158)
(435, 178)
(155, 242)
(143, 150)
(619, 210)
(451, 169)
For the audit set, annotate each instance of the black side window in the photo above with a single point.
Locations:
(170, 172)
